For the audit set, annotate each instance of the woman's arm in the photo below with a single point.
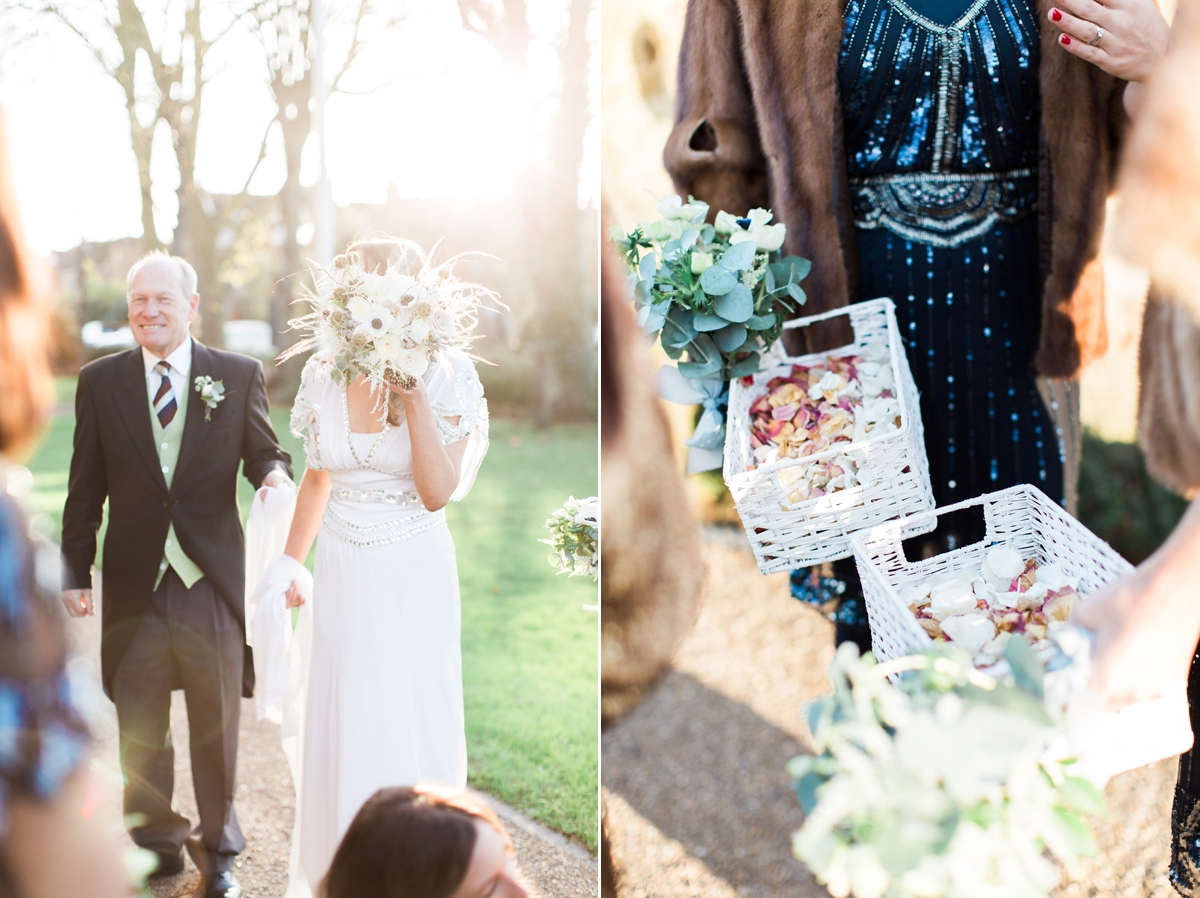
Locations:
(306, 521)
(436, 465)
(1147, 624)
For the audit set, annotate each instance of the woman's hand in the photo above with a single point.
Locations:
(418, 390)
(1134, 36)
(1147, 624)
(293, 597)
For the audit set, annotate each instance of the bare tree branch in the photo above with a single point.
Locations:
(262, 154)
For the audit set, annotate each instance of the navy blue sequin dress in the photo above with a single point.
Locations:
(941, 112)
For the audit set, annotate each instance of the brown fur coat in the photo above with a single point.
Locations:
(758, 123)
(1158, 225)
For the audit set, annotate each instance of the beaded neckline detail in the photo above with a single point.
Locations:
(350, 434)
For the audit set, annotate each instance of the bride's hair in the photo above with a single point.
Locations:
(378, 254)
(409, 842)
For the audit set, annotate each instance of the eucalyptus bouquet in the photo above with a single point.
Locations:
(715, 292)
(575, 532)
(388, 327)
(937, 785)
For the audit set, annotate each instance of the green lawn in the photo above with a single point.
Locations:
(529, 648)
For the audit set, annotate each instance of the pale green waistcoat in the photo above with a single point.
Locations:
(168, 445)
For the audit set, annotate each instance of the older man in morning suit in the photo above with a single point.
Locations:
(166, 457)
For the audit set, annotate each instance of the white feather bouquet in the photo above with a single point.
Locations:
(388, 327)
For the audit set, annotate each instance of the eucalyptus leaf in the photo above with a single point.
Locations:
(678, 329)
(653, 321)
(700, 370)
(806, 789)
(1080, 795)
(707, 233)
(769, 280)
(703, 323)
(1076, 831)
(1026, 669)
(738, 257)
(745, 367)
(730, 337)
(735, 305)
(761, 322)
(716, 281)
(648, 266)
(797, 294)
(798, 268)
(703, 348)
(673, 352)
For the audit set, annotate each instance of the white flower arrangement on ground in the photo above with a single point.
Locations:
(389, 327)
(982, 609)
(575, 532)
(937, 785)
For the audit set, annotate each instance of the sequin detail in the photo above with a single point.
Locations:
(366, 536)
(943, 209)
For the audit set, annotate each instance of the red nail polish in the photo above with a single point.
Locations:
(1065, 40)
(1055, 15)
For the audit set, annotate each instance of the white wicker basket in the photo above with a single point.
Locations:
(1022, 517)
(788, 535)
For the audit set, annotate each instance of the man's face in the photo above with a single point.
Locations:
(159, 312)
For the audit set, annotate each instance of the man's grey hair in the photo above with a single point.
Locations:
(187, 274)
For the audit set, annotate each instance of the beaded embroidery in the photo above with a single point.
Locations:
(368, 536)
(387, 497)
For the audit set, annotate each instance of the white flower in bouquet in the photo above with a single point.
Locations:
(377, 320)
(755, 227)
(389, 326)
(575, 535)
(673, 208)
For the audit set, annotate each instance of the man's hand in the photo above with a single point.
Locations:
(276, 477)
(78, 602)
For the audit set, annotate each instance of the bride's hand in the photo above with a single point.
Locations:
(293, 596)
(418, 389)
(1134, 36)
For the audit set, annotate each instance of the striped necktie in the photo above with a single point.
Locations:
(164, 399)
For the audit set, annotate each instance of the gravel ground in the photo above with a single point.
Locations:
(698, 801)
(554, 867)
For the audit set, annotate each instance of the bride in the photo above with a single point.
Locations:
(384, 703)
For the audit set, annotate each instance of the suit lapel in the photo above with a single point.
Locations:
(133, 402)
(195, 428)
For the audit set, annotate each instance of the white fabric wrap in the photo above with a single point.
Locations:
(468, 394)
(280, 652)
(1106, 742)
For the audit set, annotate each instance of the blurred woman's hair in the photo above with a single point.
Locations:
(409, 842)
(26, 387)
(382, 251)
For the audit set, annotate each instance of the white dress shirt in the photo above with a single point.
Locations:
(181, 365)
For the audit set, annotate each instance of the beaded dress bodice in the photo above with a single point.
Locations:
(941, 110)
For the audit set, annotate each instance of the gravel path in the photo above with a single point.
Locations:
(554, 867)
(698, 801)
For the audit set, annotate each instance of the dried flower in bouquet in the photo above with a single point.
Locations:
(575, 533)
(389, 326)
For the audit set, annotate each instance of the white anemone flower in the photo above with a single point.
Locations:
(672, 207)
(767, 237)
(377, 320)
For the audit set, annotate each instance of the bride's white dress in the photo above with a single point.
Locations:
(384, 703)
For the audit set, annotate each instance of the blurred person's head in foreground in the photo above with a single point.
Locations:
(26, 388)
(424, 842)
(160, 292)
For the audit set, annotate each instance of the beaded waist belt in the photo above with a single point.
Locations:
(365, 536)
(943, 209)
(387, 497)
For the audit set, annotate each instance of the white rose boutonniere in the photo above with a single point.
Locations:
(212, 392)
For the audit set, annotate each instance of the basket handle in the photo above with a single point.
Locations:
(868, 305)
(918, 523)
